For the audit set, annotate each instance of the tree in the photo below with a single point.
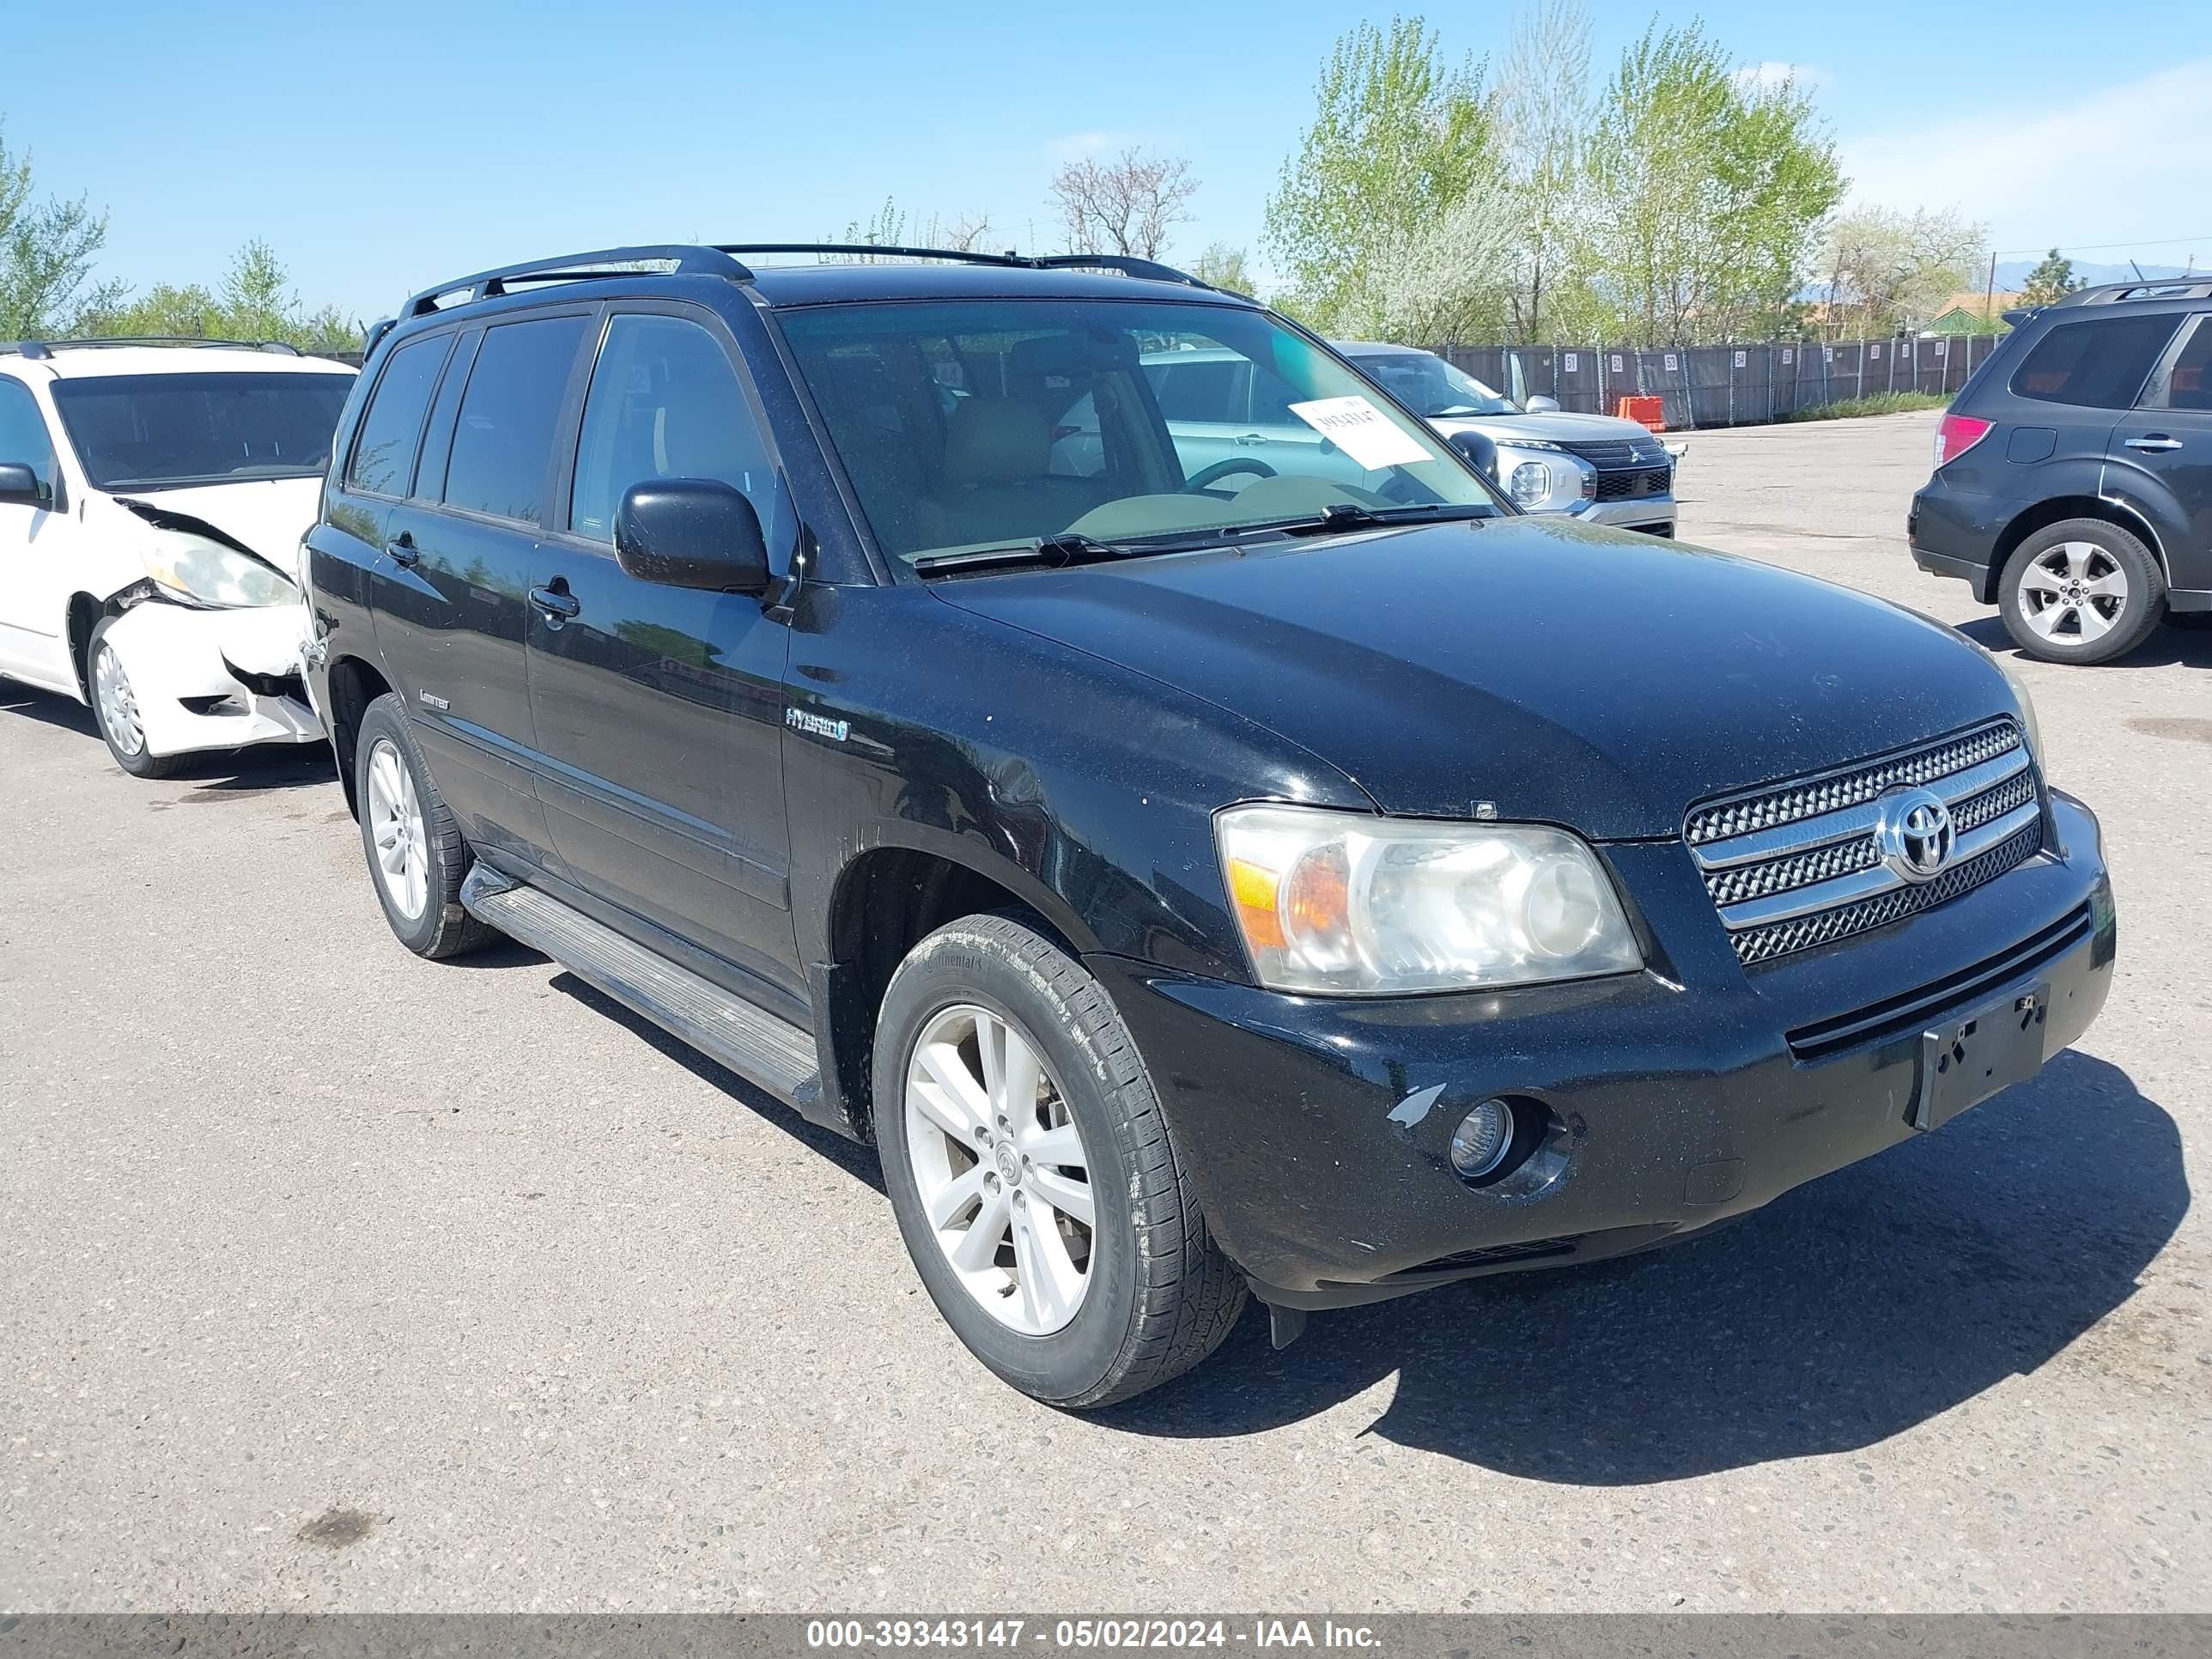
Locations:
(1126, 205)
(46, 251)
(1888, 269)
(1541, 111)
(2050, 281)
(1707, 188)
(1224, 266)
(252, 302)
(1400, 136)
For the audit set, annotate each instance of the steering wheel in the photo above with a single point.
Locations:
(1220, 470)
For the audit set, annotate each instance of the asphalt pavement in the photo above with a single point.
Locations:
(330, 1279)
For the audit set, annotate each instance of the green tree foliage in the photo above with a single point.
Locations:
(1399, 137)
(46, 253)
(1225, 267)
(2050, 280)
(253, 300)
(1886, 270)
(1706, 189)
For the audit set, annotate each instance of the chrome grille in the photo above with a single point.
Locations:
(1787, 803)
(1796, 864)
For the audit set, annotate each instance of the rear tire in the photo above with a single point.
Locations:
(115, 709)
(1117, 1286)
(2082, 591)
(416, 857)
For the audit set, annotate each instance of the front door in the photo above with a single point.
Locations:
(33, 625)
(658, 710)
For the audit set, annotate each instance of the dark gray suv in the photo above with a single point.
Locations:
(2072, 482)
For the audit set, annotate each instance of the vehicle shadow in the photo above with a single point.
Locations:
(218, 774)
(47, 708)
(855, 1160)
(1841, 1315)
(2166, 644)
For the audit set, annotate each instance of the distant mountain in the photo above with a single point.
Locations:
(2013, 273)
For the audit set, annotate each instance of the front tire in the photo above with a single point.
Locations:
(2082, 591)
(416, 857)
(1035, 1183)
(115, 708)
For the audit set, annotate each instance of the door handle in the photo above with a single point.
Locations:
(2156, 441)
(1251, 439)
(558, 604)
(404, 552)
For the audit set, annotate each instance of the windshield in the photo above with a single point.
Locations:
(161, 431)
(992, 423)
(1432, 387)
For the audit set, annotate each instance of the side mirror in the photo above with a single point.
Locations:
(1478, 449)
(691, 533)
(19, 486)
(1542, 405)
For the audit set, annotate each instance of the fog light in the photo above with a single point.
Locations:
(1480, 1144)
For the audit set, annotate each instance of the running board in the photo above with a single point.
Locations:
(757, 1045)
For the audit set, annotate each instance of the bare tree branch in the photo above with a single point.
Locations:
(1126, 205)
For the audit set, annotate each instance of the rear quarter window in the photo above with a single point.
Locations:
(2099, 363)
(384, 454)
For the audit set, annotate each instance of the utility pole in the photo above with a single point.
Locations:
(1989, 293)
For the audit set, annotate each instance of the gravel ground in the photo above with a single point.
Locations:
(334, 1279)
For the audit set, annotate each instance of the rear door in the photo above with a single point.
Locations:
(1206, 399)
(2162, 452)
(459, 547)
(658, 710)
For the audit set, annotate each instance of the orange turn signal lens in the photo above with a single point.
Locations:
(1253, 888)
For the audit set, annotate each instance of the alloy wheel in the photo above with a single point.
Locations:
(1001, 1168)
(118, 704)
(2073, 593)
(395, 818)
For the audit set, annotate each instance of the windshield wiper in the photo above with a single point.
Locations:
(1350, 515)
(1070, 547)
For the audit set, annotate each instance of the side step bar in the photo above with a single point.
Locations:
(757, 1045)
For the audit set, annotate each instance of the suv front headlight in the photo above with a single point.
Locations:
(208, 572)
(1347, 904)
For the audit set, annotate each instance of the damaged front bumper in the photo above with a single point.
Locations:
(216, 679)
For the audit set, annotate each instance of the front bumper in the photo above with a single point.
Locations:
(1654, 515)
(1670, 1099)
(216, 679)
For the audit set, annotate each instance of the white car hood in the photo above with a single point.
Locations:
(269, 515)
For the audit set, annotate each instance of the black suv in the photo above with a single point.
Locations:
(1189, 880)
(2073, 483)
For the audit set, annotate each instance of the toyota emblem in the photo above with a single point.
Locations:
(1917, 837)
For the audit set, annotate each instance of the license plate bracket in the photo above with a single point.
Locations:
(1964, 1061)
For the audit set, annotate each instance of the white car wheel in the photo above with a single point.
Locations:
(395, 826)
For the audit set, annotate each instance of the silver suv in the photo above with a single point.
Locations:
(1599, 469)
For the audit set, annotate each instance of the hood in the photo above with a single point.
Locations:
(267, 516)
(1557, 427)
(1567, 673)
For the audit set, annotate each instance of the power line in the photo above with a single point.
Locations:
(2105, 247)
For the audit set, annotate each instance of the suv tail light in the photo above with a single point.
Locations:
(1958, 435)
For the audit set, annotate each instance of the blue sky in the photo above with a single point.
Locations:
(383, 148)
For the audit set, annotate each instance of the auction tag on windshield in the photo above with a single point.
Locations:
(1362, 431)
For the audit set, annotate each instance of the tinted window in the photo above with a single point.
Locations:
(665, 404)
(23, 434)
(503, 440)
(384, 454)
(2099, 365)
(2189, 385)
(156, 431)
(1196, 391)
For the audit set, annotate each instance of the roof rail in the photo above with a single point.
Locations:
(39, 348)
(1126, 265)
(721, 260)
(688, 259)
(2195, 286)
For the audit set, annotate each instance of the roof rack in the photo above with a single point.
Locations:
(687, 259)
(2191, 287)
(721, 260)
(36, 350)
